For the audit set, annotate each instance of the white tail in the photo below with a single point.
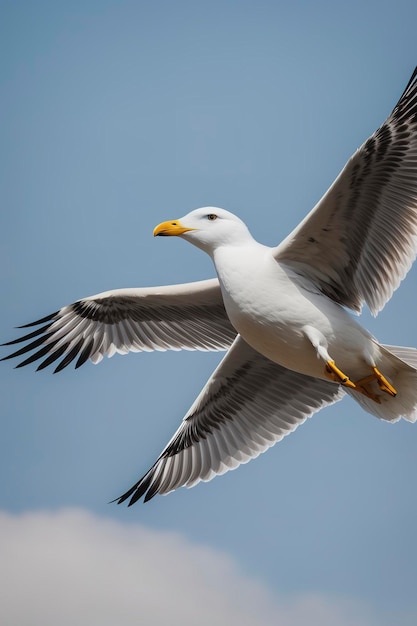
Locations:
(399, 365)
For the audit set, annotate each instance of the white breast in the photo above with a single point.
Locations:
(271, 309)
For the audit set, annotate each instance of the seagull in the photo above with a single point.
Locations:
(282, 314)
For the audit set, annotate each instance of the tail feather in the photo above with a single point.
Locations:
(408, 355)
(399, 365)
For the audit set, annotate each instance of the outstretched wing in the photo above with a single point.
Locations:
(189, 316)
(360, 240)
(248, 404)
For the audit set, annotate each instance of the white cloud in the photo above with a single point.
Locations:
(71, 567)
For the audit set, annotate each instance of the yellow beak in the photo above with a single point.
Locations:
(167, 229)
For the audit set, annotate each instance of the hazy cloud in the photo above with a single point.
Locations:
(71, 567)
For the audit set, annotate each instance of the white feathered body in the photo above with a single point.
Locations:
(283, 316)
(275, 312)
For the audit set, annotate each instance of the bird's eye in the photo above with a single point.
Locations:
(212, 216)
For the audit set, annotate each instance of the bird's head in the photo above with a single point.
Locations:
(207, 228)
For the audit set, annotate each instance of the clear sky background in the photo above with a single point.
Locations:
(116, 116)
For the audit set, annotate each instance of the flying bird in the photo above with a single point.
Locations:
(281, 313)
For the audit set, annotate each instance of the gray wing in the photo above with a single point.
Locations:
(248, 404)
(189, 316)
(360, 240)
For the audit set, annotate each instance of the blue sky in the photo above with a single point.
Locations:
(116, 116)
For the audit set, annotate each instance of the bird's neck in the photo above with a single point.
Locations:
(238, 263)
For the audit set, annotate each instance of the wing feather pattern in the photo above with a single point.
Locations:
(248, 404)
(360, 240)
(190, 317)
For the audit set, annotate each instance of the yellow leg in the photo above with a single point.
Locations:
(333, 372)
(362, 385)
(384, 385)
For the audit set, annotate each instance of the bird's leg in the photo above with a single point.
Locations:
(319, 342)
(383, 383)
(361, 386)
(333, 372)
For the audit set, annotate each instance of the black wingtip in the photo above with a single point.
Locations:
(124, 497)
(48, 318)
(39, 331)
(413, 77)
(117, 500)
(410, 83)
(138, 490)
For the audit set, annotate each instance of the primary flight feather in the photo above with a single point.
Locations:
(293, 348)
